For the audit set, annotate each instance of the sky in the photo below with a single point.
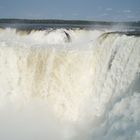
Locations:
(101, 10)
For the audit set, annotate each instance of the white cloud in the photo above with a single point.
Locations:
(105, 14)
(130, 17)
(127, 11)
(109, 9)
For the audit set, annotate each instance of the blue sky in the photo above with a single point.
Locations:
(109, 10)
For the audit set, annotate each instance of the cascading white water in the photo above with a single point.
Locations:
(85, 89)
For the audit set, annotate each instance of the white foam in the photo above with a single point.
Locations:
(79, 90)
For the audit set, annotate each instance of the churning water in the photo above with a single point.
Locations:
(69, 84)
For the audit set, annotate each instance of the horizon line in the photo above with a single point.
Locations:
(68, 20)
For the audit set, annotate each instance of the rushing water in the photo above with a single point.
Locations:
(69, 84)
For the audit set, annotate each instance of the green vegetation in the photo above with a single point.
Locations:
(55, 21)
